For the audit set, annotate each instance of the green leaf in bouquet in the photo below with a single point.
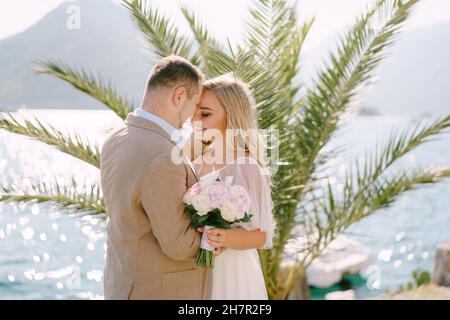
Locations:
(222, 223)
(199, 221)
(202, 219)
(190, 209)
(217, 221)
(216, 212)
(246, 218)
(215, 215)
(194, 221)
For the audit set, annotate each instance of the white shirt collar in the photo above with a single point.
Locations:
(167, 127)
(179, 136)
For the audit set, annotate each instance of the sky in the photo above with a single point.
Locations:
(226, 18)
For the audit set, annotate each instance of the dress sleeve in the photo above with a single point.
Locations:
(251, 177)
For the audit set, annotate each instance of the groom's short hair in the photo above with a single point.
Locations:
(175, 71)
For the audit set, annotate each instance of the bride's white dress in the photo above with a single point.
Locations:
(237, 274)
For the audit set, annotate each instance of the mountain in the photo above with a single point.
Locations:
(107, 43)
(413, 80)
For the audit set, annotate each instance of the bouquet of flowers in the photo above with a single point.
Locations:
(215, 204)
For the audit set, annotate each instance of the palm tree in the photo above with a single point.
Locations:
(306, 119)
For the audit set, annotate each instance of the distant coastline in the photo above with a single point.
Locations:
(23, 107)
(369, 111)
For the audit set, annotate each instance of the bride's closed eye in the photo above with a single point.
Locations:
(205, 111)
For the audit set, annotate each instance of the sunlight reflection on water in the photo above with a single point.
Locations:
(46, 253)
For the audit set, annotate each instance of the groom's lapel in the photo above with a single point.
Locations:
(191, 165)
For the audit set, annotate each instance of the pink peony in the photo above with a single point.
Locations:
(218, 194)
(244, 202)
(232, 200)
(241, 198)
(191, 192)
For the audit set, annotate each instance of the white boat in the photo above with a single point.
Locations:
(342, 256)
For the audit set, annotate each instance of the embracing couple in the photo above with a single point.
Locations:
(151, 246)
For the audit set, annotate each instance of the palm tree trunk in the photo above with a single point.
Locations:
(301, 290)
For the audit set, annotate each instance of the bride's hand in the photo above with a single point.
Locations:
(216, 237)
(217, 250)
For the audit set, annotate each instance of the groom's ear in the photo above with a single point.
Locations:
(179, 96)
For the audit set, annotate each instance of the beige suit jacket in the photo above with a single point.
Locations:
(150, 244)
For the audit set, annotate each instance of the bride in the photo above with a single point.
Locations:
(225, 121)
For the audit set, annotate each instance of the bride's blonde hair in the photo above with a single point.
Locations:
(240, 111)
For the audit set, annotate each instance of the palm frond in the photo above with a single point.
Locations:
(269, 61)
(365, 187)
(204, 41)
(245, 64)
(73, 196)
(289, 61)
(163, 37)
(344, 210)
(72, 145)
(89, 84)
(328, 217)
(271, 22)
(386, 190)
(397, 146)
(358, 54)
(273, 32)
(356, 57)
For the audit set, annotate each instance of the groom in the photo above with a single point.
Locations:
(150, 245)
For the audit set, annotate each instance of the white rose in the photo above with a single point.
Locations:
(228, 211)
(186, 198)
(202, 213)
(201, 203)
(240, 215)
